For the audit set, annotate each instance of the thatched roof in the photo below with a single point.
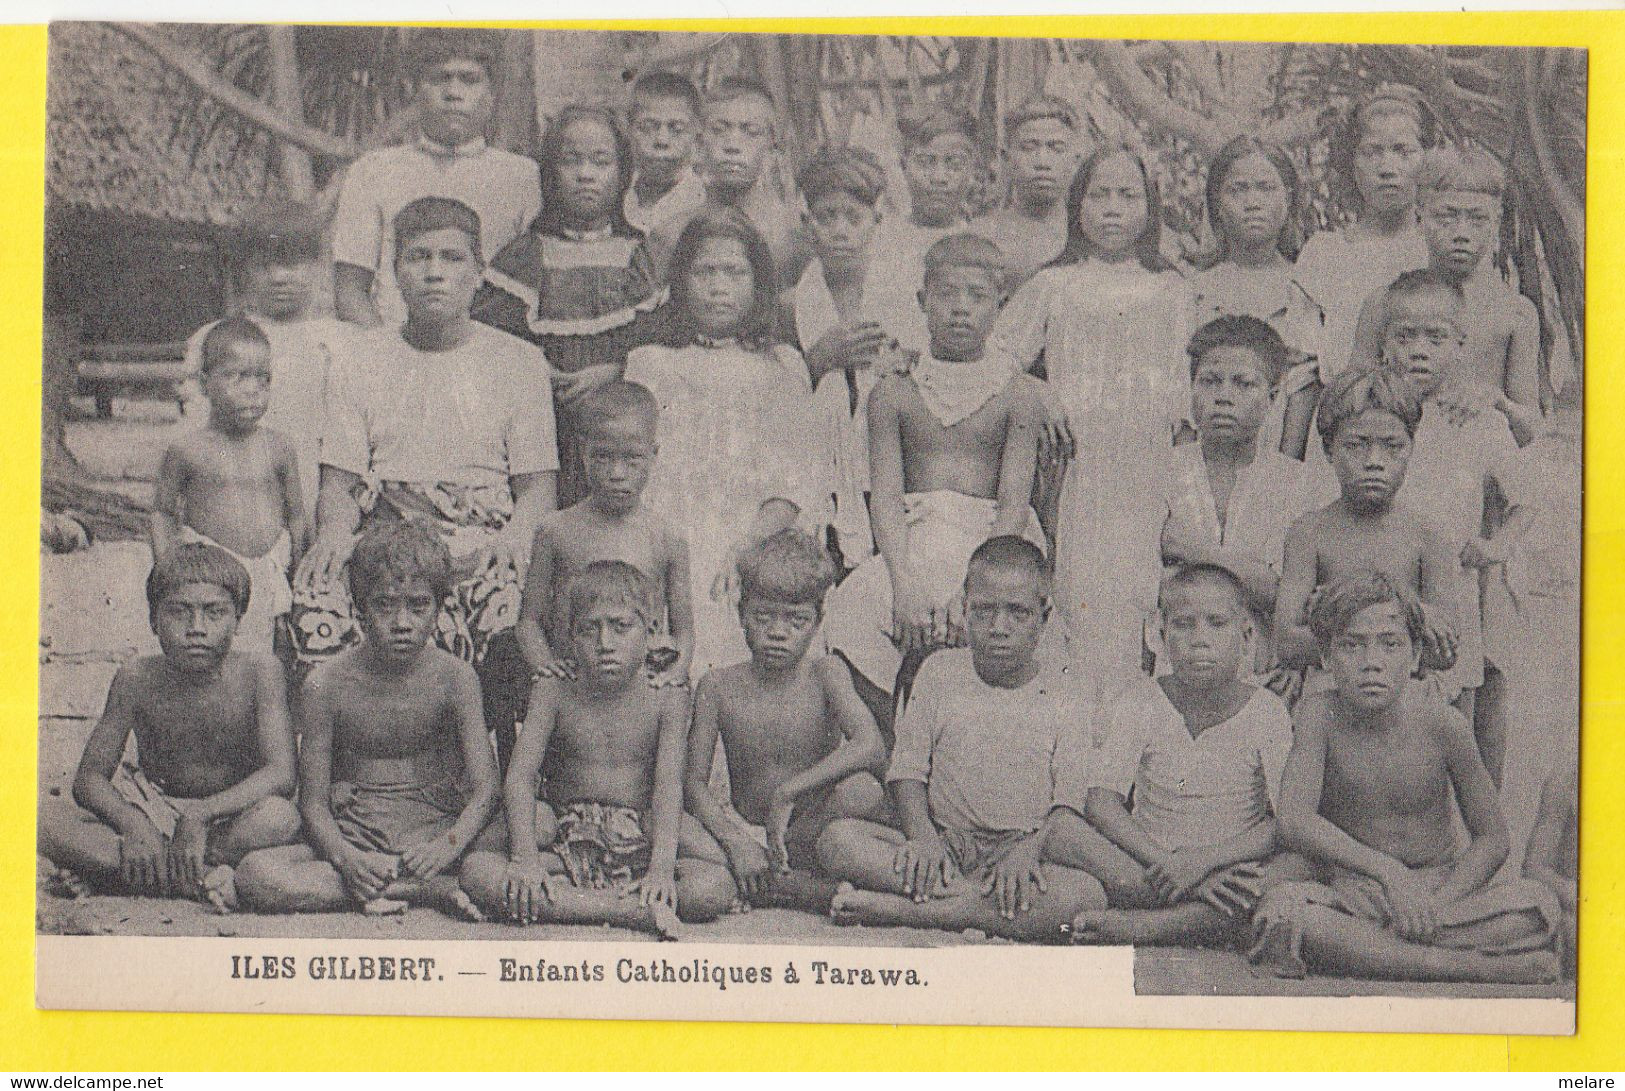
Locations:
(113, 144)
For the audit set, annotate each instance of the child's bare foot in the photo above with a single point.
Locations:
(219, 888)
(1528, 968)
(383, 907)
(665, 921)
(1277, 951)
(459, 902)
(1104, 927)
(850, 905)
(63, 882)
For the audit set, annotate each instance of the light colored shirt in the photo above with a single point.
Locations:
(477, 414)
(992, 759)
(1340, 270)
(680, 202)
(504, 188)
(1192, 792)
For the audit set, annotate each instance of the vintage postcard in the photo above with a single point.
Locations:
(708, 525)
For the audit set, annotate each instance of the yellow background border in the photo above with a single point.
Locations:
(76, 1041)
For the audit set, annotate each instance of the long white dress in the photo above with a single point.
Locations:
(737, 428)
(1113, 340)
(1340, 271)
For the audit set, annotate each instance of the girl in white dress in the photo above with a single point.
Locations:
(1110, 319)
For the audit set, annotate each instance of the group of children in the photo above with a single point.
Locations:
(1128, 608)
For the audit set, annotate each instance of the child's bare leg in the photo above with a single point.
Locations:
(70, 839)
(1075, 844)
(858, 795)
(271, 822)
(290, 879)
(705, 890)
(1188, 923)
(442, 892)
(1337, 943)
(484, 878)
(1067, 892)
(862, 853)
(1489, 721)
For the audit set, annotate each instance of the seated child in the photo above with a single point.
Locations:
(396, 775)
(214, 750)
(1367, 423)
(618, 423)
(612, 784)
(235, 485)
(1201, 750)
(990, 749)
(1367, 794)
(952, 447)
(1553, 856)
(798, 742)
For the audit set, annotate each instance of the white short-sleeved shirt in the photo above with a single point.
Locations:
(477, 414)
(992, 759)
(1190, 792)
(504, 188)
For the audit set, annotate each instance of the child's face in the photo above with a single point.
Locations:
(1369, 454)
(1459, 228)
(663, 131)
(1252, 203)
(456, 98)
(721, 287)
(1372, 658)
(1205, 631)
(398, 617)
(841, 227)
(438, 275)
(940, 173)
(734, 140)
(589, 170)
(195, 623)
(1423, 337)
(1113, 212)
(961, 303)
(1230, 393)
(239, 387)
(777, 633)
(1005, 609)
(617, 455)
(610, 641)
(1041, 157)
(279, 289)
(1385, 162)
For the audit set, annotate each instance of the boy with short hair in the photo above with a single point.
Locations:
(1367, 422)
(990, 749)
(1461, 194)
(213, 768)
(665, 124)
(798, 743)
(453, 69)
(607, 752)
(618, 423)
(940, 163)
(396, 774)
(1040, 154)
(1367, 794)
(234, 484)
(953, 447)
(1200, 750)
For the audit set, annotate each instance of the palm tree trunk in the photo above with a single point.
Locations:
(293, 162)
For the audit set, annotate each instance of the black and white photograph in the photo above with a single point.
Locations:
(717, 509)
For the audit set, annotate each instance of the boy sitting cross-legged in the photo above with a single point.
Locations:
(396, 774)
(1201, 750)
(990, 749)
(214, 750)
(1367, 794)
(799, 743)
(606, 750)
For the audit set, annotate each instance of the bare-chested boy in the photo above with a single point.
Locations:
(617, 423)
(396, 774)
(1367, 422)
(953, 447)
(607, 751)
(800, 745)
(1367, 795)
(234, 484)
(1460, 196)
(214, 750)
(1553, 856)
(1040, 155)
(991, 751)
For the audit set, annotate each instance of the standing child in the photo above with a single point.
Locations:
(1253, 202)
(447, 156)
(235, 485)
(214, 750)
(618, 427)
(396, 776)
(1110, 320)
(665, 122)
(941, 164)
(798, 743)
(607, 753)
(1040, 155)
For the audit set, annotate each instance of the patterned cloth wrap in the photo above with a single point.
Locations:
(603, 835)
(975, 852)
(392, 818)
(145, 796)
(481, 604)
